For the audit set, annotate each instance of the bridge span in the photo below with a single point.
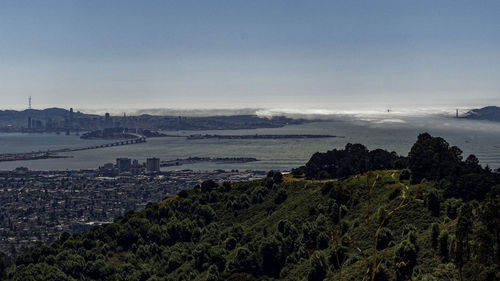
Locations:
(53, 153)
(117, 143)
(139, 139)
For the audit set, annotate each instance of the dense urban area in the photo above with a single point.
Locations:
(36, 207)
(68, 121)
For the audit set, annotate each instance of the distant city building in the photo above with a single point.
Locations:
(49, 124)
(107, 121)
(108, 166)
(123, 164)
(21, 170)
(71, 117)
(153, 164)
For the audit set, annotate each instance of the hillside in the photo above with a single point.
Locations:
(491, 113)
(58, 119)
(392, 223)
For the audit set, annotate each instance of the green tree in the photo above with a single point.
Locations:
(278, 178)
(462, 236)
(244, 261)
(443, 244)
(405, 258)
(433, 203)
(213, 273)
(385, 236)
(434, 235)
(489, 237)
(318, 267)
(272, 255)
(452, 207)
(280, 196)
(208, 186)
(2, 264)
(432, 158)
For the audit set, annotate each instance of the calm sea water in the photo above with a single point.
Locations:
(395, 134)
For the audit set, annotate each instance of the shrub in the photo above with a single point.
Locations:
(278, 178)
(244, 261)
(433, 203)
(174, 261)
(213, 273)
(405, 252)
(268, 182)
(381, 214)
(412, 237)
(434, 235)
(405, 175)
(384, 238)
(280, 196)
(208, 185)
(270, 174)
(271, 252)
(326, 188)
(226, 186)
(298, 172)
(452, 206)
(342, 211)
(407, 228)
(382, 273)
(317, 271)
(183, 194)
(231, 243)
(443, 244)
(322, 240)
(405, 258)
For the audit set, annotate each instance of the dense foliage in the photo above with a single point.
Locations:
(353, 159)
(432, 158)
(382, 225)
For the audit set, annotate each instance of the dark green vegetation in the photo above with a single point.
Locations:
(381, 225)
(354, 159)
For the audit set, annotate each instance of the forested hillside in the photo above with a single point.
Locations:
(349, 214)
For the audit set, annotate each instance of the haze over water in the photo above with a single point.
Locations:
(390, 130)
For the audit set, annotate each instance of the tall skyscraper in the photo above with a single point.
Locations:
(123, 164)
(153, 164)
(107, 121)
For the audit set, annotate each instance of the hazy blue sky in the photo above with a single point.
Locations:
(231, 53)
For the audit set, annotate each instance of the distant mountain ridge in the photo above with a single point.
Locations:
(490, 113)
(53, 112)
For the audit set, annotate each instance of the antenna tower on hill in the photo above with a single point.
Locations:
(29, 103)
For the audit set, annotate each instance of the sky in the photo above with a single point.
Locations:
(93, 54)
